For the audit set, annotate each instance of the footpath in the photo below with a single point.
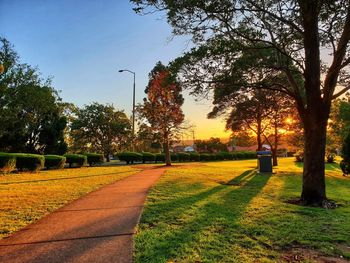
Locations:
(98, 227)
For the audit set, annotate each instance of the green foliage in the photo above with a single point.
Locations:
(100, 128)
(210, 146)
(345, 167)
(160, 157)
(30, 162)
(174, 157)
(183, 157)
(54, 161)
(7, 163)
(205, 157)
(30, 116)
(194, 157)
(130, 157)
(148, 157)
(223, 156)
(345, 163)
(94, 158)
(77, 160)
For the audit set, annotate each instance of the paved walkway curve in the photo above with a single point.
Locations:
(98, 227)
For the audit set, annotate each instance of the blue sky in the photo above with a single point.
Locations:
(82, 44)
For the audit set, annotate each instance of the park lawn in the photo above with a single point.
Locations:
(226, 212)
(26, 197)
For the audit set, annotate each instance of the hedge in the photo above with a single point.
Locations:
(94, 158)
(223, 156)
(194, 157)
(77, 160)
(148, 157)
(174, 157)
(183, 157)
(54, 161)
(30, 162)
(130, 157)
(7, 163)
(160, 157)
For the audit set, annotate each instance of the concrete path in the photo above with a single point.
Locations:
(96, 228)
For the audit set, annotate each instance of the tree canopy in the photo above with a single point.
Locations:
(239, 45)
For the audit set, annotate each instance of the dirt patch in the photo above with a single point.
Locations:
(309, 255)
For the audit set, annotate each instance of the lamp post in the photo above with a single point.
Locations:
(133, 107)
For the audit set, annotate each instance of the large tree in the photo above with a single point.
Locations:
(236, 39)
(162, 107)
(100, 128)
(30, 116)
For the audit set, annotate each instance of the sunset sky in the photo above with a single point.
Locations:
(82, 44)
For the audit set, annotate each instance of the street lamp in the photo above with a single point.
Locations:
(133, 107)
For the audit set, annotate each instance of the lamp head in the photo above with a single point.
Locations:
(121, 70)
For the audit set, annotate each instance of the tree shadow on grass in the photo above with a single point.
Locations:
(177, 228)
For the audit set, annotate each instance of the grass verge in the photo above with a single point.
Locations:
(226, 212)
(26, 197)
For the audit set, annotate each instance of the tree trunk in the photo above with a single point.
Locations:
(274, 157)
(167, 151)
(314, 187)
(108, 159)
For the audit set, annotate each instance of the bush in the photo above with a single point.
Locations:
(94, 158)
(250, 155)
(345, 167)
(7, 163)
(174, 157)
(77, 160)
(299, 156)
(330, 158)
(205, 157)
(183, 157)
(194, 157)
(240, 156)
(160, 157)
(30, 162)
(54, 161)
(130, 157)
(223, 156)
(148, 157)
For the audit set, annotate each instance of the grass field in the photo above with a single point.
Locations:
(226, 212)
(26, 197)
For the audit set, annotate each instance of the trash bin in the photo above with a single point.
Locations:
(264, 161)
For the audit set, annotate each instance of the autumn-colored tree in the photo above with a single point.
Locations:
(162, 107)
(303, 46)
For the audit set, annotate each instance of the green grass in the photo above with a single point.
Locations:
(26, 197)
(226, 212)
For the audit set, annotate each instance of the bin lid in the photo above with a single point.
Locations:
(263, 152)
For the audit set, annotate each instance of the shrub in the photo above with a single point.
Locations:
(299, 156)
(130, 157)
(240, 156)
(30, 162)
(148, 157)
(77, 160)
(223, 156)
(345, 167)
(54, 161)
(345, 163)
(330, 158)
(94, 158)
(194, 157)
(7, 163)
(204, 157)
(174, 157)
(250, 155)
(183, 157)
(160, 157)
